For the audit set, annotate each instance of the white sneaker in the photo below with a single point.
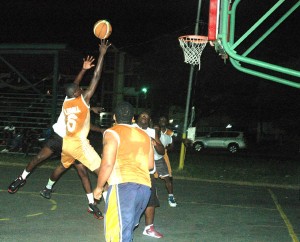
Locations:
(152, 232)
(172, 201)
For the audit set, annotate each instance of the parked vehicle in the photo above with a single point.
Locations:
(233, 141)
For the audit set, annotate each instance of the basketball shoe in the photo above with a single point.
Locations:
(172, 201)
(93, 209)
(16, 184)
(150, 231)
(46, 193)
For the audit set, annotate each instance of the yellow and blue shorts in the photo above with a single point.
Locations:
(125, 203)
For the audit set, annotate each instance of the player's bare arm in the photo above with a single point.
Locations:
(158, 146)
(151, 159)
(170, 146)
(89, 92)
(110, 147)
(87, 64)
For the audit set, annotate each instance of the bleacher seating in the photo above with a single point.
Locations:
(26, 111)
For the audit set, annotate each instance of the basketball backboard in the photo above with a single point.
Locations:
(213, 19)
(214, 27)
(239, 48)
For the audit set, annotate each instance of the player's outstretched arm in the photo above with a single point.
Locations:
(87, 64)
(98, 70)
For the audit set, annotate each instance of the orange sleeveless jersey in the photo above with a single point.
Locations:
(132, 156)
(77, 117)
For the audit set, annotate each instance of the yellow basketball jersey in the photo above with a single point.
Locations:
(77, 117)
(132, 156)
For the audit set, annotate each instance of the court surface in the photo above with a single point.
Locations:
(207, 211)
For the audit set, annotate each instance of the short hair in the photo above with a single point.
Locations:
(146, 111)
(164, 116)
(70, 89)
(124, 113)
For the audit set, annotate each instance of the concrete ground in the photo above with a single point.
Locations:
(208, 211)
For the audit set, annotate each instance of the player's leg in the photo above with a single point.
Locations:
(153, 202)
(44, 154)
(169, 186)
(163, 173)
(66, 162)
(88, 157)
(84, 176)
(121, 215)
(53, 145)
(168, 183)
(56, 174)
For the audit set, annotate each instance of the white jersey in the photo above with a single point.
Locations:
(149, 131)
(60, 126)
(165, 140)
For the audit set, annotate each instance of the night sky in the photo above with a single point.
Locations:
(134, 22)
(149, 30)
(72, 22)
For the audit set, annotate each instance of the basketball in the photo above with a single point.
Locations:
(102, 29)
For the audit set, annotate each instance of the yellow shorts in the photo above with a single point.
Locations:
(81, 150)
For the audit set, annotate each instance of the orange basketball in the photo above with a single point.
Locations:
(102, 29)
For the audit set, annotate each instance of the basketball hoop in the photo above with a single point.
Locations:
(192, 46)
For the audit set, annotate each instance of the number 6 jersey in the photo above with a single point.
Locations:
(77, 117)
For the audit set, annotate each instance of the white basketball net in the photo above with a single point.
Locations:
(192, 46)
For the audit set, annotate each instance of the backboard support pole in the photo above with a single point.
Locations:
(188, 98)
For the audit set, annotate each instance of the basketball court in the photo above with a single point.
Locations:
(207, 211)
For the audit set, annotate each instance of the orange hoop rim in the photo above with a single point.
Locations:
(198, 39)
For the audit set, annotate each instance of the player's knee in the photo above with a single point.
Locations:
(81, 170)
(39, 158)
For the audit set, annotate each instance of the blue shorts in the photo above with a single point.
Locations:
(125, 203)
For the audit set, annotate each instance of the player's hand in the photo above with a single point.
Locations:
(98, 193)
(104, 46)
(97, 110)
(88, 62)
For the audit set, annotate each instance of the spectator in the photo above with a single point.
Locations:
(9, 132)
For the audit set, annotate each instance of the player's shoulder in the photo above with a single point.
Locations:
(169, 132)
